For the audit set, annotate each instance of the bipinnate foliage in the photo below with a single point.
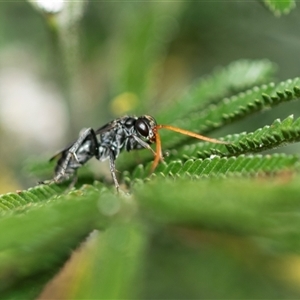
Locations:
(211, 214)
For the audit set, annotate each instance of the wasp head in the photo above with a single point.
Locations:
(145, 126)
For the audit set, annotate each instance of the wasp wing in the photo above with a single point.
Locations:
(59, 153)
(106, 127)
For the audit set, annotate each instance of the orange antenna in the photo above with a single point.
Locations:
(158, 154)
(192, 134)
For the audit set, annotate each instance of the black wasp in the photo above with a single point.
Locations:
(126, 133)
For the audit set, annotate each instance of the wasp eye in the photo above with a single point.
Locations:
(142, 127)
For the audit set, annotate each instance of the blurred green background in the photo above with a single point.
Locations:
(94, 61)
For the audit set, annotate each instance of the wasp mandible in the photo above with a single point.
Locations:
(125, 133)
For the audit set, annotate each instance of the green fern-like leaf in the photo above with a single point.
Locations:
(235, 108)
(42, 224)
(278, 134)
(221, 167)
(214, 221)
(33, 195)
(237, 76)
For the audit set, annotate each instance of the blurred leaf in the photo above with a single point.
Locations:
(146, 31)
(259, 207)
(202, 264)
(113, 265)
(29, 288)
(38, 167)
(41, 238)
(279, 7)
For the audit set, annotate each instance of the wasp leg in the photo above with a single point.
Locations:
(112, 168)
(73, 182)
(67, 167)
(45, 182)
(143, 144)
